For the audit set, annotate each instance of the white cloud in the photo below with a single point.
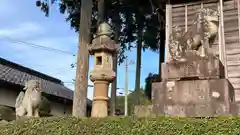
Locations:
(22, 30)
(53, 63)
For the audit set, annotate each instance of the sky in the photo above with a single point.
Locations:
(21, 21)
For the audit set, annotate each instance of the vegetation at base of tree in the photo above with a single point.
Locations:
(131, 101)
(123, 126)
(45, 107)
(6, 113)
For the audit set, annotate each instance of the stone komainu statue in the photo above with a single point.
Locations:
(199, 37)
(28, 103)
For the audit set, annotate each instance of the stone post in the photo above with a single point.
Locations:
(103, 48)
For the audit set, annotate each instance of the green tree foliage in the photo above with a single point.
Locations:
(131, 16)
(148, 84)
(45, 107)
(6, 113)
(147, 30)
(113, 13)
(131, 101)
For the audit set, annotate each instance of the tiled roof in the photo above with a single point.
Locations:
(16, 74)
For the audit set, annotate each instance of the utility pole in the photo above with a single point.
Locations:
(81, 85)
(127, 63)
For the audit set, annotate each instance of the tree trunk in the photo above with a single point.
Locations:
(101, 11)
(161, 52)
(138, 67)
(116, 23)
(114, 88)
(161, 17)
(114, 83)
(81, 85)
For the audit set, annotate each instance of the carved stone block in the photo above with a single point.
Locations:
(195, 67)
(195, 98)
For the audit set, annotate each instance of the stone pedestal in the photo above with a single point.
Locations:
(195, 98)
(100, 99)
(101, 79)
(194, 88)
(195, 67)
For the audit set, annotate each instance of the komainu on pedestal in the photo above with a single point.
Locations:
(28, 103)
(193, 80)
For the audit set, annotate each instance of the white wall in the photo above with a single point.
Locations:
(58, 109)
(8, 97)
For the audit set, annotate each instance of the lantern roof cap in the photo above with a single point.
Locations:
(103, 41)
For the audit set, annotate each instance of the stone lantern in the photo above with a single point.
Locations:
(103, 48)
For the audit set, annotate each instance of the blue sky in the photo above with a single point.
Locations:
(22, 20)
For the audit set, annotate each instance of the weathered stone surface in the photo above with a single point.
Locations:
(199, 37)
(193, 79)
(195, 66)
(102, 75)
(100, 99)
(103, 48)
(28, 103)
(102, 41)
(194, 98)
(144, 111)
(235, 107)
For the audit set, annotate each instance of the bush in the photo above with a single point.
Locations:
(123, 126)
(6, 113)
(45, 107)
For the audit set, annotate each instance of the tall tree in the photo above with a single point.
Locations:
(81, 85)
(139, 22)
(116, 23)
(147, 36)
(161, 19)
(101, 11)
(83, 13)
